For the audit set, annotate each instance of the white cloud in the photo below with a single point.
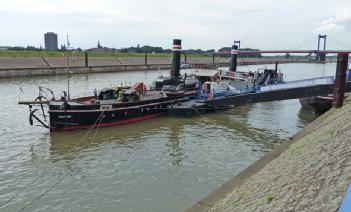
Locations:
(343, 16)
(207, 24)
(337, 23)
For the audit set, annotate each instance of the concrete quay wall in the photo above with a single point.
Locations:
(31, 66)
(29, 72)
(311, 172)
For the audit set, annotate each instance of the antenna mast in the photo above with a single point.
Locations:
(67, 69)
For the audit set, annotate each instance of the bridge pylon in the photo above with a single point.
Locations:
(321, 56)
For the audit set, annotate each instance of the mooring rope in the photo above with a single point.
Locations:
(97, 129)
(98, 123)
(92, 127)
(23, 190)
(99, 119)
(43, 194)
(198, 112)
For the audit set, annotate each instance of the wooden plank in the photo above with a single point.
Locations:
(34, 102)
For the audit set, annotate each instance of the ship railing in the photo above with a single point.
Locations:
(80, 95)
(218, 93)
(298, 83)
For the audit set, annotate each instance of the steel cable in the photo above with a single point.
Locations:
(60, 180)
(41, 175)
(302, 44)
(339, 43)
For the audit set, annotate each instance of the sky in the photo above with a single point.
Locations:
(205, 24)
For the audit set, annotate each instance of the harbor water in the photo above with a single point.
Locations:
(161, 164)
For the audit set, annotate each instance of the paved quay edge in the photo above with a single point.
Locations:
(208, 202)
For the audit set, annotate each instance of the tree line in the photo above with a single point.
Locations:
(223, 52)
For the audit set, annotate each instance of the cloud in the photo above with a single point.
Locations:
(265, 24)
(339, 22)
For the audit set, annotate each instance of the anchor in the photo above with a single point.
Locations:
(32, 115)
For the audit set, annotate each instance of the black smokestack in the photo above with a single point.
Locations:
(177, 48)
(234, 58)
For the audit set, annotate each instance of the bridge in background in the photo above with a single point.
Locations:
(319, 53)
(336, 87)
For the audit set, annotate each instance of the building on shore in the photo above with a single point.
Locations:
(102, 49)
(50, 40)
(4, 48)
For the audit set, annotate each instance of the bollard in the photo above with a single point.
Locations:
(86, 59)
(339, 86)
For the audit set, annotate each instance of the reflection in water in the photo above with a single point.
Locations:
(306, 117)
(235, 121)
(71, 142)
(175, 150)
(68, 145)
(65, 145)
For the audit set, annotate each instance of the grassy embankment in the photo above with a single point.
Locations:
(81, 54)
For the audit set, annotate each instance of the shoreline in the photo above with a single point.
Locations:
(29, 67)
(222, 198)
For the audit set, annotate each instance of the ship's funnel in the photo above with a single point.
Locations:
(177, 49)
(234, 58)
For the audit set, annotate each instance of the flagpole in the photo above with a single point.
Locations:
(67, 70)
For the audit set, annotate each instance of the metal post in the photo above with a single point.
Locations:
(339, 86)
(319, 42)
(185, 59)
(86, 59)
(325, 42)
(276, 66)
(213, 59)
(321, 56)
(67, 69)
(145, 58)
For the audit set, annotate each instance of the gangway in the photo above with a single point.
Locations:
(291, 92)
(299, 83)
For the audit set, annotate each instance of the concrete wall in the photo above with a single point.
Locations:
(21, 62)
(36, 66)
(59, 61)
(28, 72)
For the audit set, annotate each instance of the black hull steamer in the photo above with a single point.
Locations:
(244, 82)
(71, 115)
(317, 104)
(113, 106)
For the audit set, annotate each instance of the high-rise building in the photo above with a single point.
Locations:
(50, 39)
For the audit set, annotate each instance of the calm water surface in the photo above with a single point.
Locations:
(163, 164)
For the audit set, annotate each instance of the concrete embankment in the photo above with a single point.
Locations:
(311, 172)
(38, 66)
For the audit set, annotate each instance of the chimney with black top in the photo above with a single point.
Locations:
(177, 48)
(234, 58)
